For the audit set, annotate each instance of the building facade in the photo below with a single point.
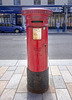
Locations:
(10, 11)
(34, 2)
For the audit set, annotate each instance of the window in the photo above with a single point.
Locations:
(0, 2)
(8, 25)
(51, 1)
(69, 1)
(37, 2)
(19, 19)
(16, 2)
(70, 20)
(62, 19)
(1, 24)
(51, 21)
(56, 18)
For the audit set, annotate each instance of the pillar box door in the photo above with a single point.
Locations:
(37, 49)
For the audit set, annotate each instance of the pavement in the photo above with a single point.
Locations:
(60, 31)
(13, 81)
(49, 31)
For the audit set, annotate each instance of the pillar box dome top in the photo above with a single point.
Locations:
(36, 11)
(36, 16)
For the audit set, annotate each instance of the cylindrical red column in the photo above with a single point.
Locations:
(37, 49)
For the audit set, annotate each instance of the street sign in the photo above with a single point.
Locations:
(63, 9)
(55, 9)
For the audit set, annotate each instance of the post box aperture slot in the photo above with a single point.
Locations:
(37, 33)
(36, 21)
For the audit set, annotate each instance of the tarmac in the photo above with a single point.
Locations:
(13, 81)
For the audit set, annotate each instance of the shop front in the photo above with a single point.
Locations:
(12, 15)
(58, 16)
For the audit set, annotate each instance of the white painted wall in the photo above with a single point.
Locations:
(7, 2)
(44, 2)
(31, 2)
(27, 2)
(61, 2)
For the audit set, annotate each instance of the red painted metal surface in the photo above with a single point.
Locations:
(37, 49)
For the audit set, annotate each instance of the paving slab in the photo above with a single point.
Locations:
(62, 68)
(51, 83)
(59, 82)
(22, 63)
(49, 96)
(62, 94)
(51, 89)
(20, 96)
(2, 71)
(49, 70)
(12, 68)
(25, 71)
(69, 87)
(32, 96)
(2, 86)
(8, 94)
(19, 70)
(55, 70)
(13, 83)
(23, 85)
(28, 96)
(60, 62)
(8, 62)
(7, 75)
(70, 69)
(66, 76)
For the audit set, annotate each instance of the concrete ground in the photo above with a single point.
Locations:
(13, 81)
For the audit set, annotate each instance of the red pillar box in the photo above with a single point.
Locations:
(37, 49)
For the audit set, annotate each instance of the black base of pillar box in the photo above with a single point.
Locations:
(37, 82)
